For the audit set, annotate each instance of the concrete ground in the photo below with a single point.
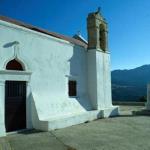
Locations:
(126, 132)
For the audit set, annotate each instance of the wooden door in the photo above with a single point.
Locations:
(15, 105)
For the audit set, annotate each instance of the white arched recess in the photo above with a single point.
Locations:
(14, 75)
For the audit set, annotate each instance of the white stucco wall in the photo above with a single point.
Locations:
(49, 64)
(52, 63)
(2, 120)
(99, 79)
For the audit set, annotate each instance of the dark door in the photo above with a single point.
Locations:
(15, 105)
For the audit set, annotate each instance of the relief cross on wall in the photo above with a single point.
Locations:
(15, 46)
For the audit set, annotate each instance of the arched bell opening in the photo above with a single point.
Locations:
(102, 33)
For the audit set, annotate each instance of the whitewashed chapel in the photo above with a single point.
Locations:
(50, 81)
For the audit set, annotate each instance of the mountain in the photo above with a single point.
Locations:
(130, 85)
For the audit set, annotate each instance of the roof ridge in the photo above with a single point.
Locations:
(44, 31)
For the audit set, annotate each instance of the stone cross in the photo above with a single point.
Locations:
(16, 49)
(148, 97)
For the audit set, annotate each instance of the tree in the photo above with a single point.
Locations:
(142, 99)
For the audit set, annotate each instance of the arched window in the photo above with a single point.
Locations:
(14, 65)
(102, 37)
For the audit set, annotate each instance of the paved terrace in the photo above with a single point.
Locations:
(127, 132)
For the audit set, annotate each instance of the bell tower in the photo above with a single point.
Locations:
(98, 61)
(97, 31)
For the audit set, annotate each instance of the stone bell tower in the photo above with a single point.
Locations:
(99, 75)
(97, 32)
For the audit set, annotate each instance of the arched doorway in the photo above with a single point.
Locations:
(15, 100)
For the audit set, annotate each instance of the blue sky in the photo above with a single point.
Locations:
(128, 20)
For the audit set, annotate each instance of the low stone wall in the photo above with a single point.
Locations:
(129, 103)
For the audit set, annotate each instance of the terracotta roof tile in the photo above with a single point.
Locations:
(57, 35)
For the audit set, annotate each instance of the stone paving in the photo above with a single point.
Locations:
(119, 133)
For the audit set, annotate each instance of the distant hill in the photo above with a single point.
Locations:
(130, 85)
